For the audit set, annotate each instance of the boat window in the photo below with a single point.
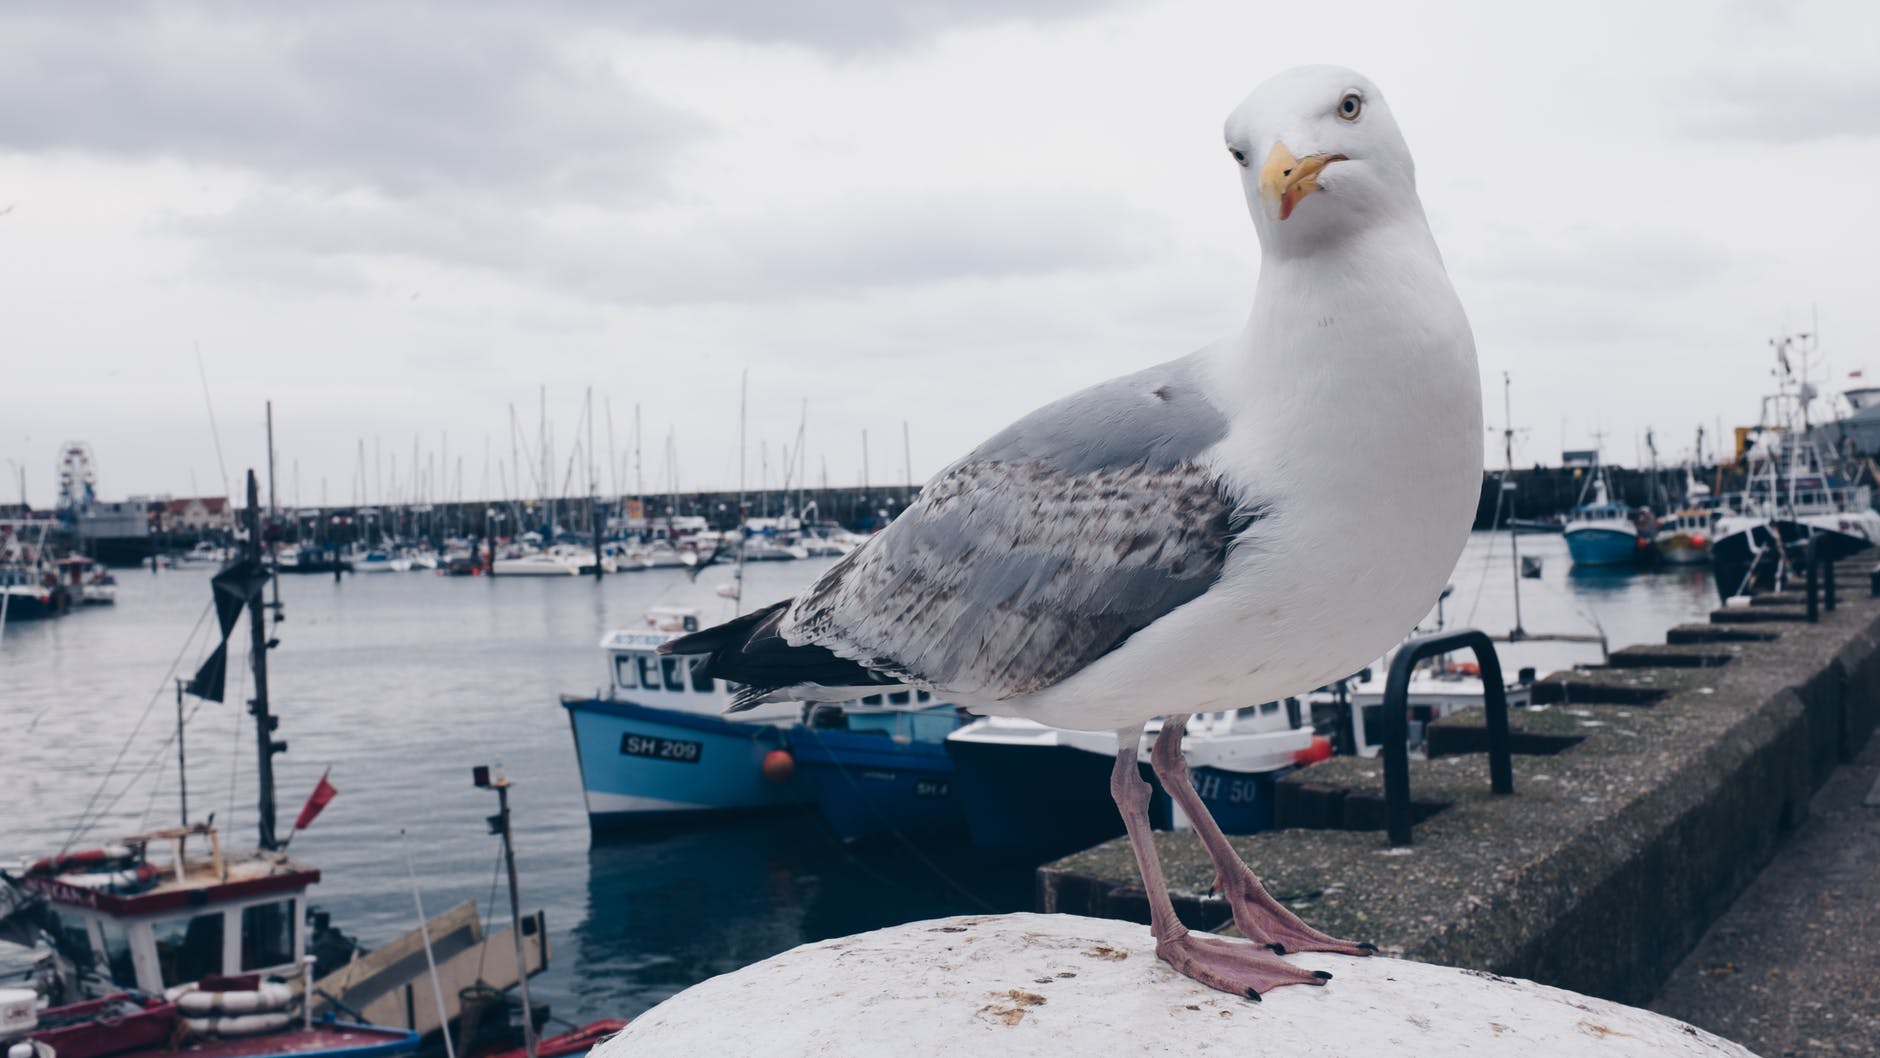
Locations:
(268, 935)
(623, 672)
(117, 951)
(923, 697)
(873, 699)
(649, 672)
(189, 949)
(898, 698)
(675, 679)
(74, 938)
(1269, 707)
(701, 682)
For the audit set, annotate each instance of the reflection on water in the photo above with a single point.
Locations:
(667, 912)
(402, 682)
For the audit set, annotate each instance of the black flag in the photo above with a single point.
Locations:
(238, 584)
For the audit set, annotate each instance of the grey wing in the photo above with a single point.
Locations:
(1044, 549)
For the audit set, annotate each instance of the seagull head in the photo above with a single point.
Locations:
(1320, 158)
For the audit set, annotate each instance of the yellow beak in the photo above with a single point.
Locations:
(1285, 180)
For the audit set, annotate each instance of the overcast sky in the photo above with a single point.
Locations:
(396, 220)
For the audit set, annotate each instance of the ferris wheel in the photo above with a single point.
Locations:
(77, 479)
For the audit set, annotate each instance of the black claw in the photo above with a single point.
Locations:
(1277, 948)
(1254, 995)
(1321, 975)
(1366, 946)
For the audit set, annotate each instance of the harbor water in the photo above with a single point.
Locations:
(400, 683)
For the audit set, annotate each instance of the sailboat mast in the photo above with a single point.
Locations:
(1507, 476)
(265, 745)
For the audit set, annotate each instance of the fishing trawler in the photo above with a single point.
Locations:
(655, 746)
(1795, 494)
(1601, 532)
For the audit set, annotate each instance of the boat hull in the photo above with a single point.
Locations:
(34, 604)
(1026, 801)
(1745, 558)
(1602, 547)
(1681, 549)
(870, 786)
(643, 767)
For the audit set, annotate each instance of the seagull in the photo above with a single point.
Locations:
(1245, 523)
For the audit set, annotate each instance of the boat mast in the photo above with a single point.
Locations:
(594, 483)
(1507, 476)
(265, 744)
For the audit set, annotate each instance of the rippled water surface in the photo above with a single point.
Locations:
(402, 682)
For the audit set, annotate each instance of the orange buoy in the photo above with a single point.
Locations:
(779, 767)
(1320, 749)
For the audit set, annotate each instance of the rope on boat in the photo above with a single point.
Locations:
(87, 818)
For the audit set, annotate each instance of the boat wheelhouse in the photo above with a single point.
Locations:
(154, 925)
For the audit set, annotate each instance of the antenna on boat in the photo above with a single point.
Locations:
(182, 771)
(499, 824)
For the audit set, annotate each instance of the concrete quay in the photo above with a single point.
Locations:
(1649, 795)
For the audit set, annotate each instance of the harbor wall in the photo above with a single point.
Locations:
(1684, 766)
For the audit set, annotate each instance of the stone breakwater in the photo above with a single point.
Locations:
(1648, 794)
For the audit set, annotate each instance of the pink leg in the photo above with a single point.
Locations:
(1218, 962)
(1259, 917)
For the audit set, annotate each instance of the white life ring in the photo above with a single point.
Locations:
(271, 996)
(130, 880)
(240, 1024)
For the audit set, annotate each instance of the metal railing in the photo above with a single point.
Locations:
(1396, 751)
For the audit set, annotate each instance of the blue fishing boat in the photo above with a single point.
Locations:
(882, 772)
(656, 748)
(1031, 791)
(1603, 533)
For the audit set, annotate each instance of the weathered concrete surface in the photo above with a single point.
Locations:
(1793, 968)
(1030, 986)
(1613, 856)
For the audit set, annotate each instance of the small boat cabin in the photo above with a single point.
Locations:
(640, 674)
(154, 926)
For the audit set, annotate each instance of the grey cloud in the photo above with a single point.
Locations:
(397, 98)
(831, 250)
(1795, 106)
(843, 26)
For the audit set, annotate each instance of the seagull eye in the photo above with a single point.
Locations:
(1239, 156)
(1351, 106)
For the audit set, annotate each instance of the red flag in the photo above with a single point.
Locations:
(1856, 373)
(322, 793)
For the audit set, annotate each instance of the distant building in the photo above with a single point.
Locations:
(197, 514)
(1579, 457)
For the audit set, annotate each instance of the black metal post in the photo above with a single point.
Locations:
(1814, 582)
(1396, 751)
(1827, 586)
